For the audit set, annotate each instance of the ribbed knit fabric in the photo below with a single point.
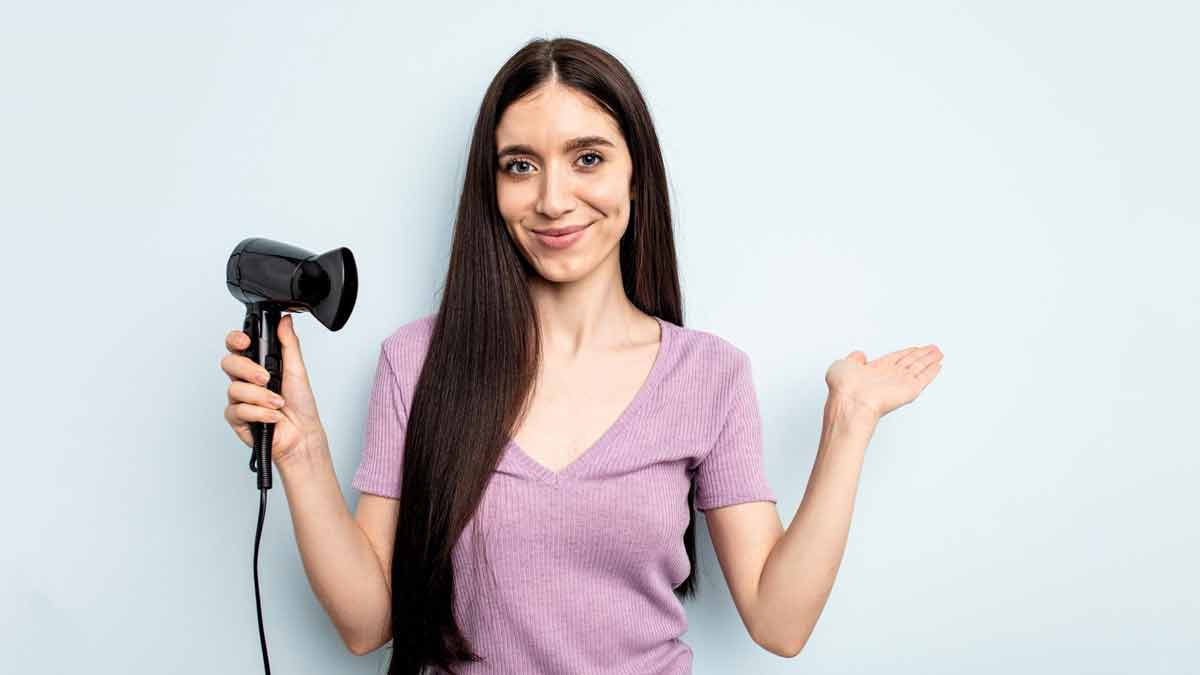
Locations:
(583, 561)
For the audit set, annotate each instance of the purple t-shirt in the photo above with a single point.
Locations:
(583, 561)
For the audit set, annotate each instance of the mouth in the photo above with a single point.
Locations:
(561, 237)
(560, 231)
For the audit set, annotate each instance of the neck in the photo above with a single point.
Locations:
(589, 314)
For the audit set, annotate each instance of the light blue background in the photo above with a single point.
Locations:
(1015, 182)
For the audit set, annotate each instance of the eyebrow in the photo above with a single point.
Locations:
(573, 144)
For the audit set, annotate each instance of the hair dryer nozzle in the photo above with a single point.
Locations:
(339, 268)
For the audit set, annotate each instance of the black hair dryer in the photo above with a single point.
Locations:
(271, 277)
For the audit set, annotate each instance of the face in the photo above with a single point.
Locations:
(563, 163)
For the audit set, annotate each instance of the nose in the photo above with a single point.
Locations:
(556, 198)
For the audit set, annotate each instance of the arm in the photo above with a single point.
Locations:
(342, 566)
(782, 598)
(799, 573)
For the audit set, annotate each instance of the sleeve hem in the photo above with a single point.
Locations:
(372, 488)
(718, 502)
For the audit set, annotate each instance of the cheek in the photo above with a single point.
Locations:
(509, 202)
(611, 205)
(609, 195)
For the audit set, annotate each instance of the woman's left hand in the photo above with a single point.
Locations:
(886, 383)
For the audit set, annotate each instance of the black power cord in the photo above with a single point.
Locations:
(262, 437)
(262, 637)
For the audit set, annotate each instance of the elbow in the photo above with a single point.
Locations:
(361, 643)
(791, 652)
(355, 648)
(362, 647)
(786, 651)
(784, 648)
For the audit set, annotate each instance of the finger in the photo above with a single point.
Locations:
(929, 372)
(231, 417)
(926, 357)
(293, 360)
(237, 342)
(239, 367)
(245, 392)
(240, 427)
(247, 412)
(911, 355)
(895, 356)
(244, 434)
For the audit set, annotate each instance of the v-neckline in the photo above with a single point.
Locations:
(544, 473)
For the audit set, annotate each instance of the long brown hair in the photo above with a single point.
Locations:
(485, 345)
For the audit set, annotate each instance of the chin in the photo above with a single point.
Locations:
(563, 273)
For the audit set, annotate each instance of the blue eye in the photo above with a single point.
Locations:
(508, 166)
(592, 154)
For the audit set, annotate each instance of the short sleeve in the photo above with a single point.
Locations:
(732, 472)
(379, 470)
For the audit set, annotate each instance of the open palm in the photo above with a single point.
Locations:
(889, 381)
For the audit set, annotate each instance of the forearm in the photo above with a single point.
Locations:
(343, 570)
(799, 573)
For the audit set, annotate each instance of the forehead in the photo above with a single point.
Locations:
(552, 113)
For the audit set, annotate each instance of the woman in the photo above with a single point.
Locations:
(537, 448)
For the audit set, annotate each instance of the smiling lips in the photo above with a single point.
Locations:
(556, 231)
(561, 237)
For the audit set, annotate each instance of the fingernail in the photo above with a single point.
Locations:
(277, 400)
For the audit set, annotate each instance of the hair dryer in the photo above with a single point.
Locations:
(271, 277)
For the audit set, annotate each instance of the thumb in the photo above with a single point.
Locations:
(293, 360)
(858, 357)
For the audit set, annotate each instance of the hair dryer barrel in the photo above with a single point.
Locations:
(263, 271)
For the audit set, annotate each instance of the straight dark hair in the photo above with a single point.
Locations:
(485, 346)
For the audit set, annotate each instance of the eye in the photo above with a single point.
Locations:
(592, 154)
(508, 166)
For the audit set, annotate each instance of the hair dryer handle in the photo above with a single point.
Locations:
(262, 325)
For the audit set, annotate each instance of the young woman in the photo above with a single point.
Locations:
(537, 448)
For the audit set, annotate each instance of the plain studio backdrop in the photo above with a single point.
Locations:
(1015, 182)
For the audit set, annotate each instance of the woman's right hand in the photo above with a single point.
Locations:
(294, 411)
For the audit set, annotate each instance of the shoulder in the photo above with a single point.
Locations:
(405, 348)
(410, 337)
(709, 376)
(709, 354)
